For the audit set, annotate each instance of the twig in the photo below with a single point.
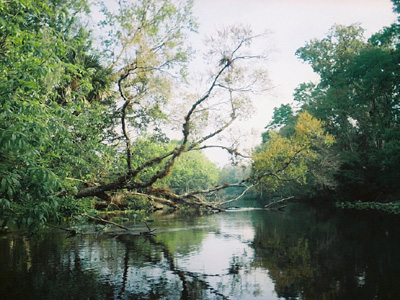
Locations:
(106, 221)
(238, 197)
(276, 202)
(150, 231)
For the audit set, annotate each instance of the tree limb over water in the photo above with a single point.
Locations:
(230, 68)
(86, 116)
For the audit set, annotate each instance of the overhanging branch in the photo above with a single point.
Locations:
(232, 151)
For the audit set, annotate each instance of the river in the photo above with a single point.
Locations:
(302, 253)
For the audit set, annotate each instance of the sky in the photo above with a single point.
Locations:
(291, 23)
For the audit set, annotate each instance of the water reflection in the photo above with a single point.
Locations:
(304, 253)
(320, 255)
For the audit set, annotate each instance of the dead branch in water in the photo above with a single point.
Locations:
(270, 205)
(106, 221)
(150, 231)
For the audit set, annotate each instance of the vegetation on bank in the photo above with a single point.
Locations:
(390, 207)
(357, 101)
(87, 108)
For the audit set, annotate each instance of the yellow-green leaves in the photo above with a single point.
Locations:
(281, 159)
(310, 130)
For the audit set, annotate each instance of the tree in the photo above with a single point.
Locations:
(296, 158)
(357, 98)
(191, 172)
(283, 119)
(76, 114)
(46, 141)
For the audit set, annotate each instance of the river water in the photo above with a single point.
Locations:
(302, 253)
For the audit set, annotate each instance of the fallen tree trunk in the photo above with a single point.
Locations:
(272, 204)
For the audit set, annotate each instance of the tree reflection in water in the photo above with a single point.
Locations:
(324, 254)
(190, 285)
(305, 253)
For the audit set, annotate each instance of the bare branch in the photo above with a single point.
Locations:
(212, 134)
(179, 150)
(129, 180)
(156, 199)
(184, 199)
(198, 102)
(238, 197)
(150, 230)
(106, 221)
(287, 164)
(232, 151)
(123, 119)
(214, 189)
(222, 128)
(269, 205)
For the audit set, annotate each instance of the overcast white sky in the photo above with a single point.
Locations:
(292, 23)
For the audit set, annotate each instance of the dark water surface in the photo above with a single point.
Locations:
(303, 253)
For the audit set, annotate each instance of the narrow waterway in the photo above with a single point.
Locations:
(302, 253)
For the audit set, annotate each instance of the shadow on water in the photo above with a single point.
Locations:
(330, 254)
(303, 253)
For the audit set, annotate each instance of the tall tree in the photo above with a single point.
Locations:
(357, 97)
(75, 113)
(50, 131)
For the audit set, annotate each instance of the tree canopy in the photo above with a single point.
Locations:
(357, 99)
(86, 108)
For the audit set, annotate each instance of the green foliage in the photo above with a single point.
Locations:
(282, 119)
(52, 133)
(192, 171)
(357, 98)
(391, 207)
(146, 148)
(396, 6)
(233, 174)
(181, 241)
(57, 122)
(285, 159)
(60, 118)
(146, 41)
